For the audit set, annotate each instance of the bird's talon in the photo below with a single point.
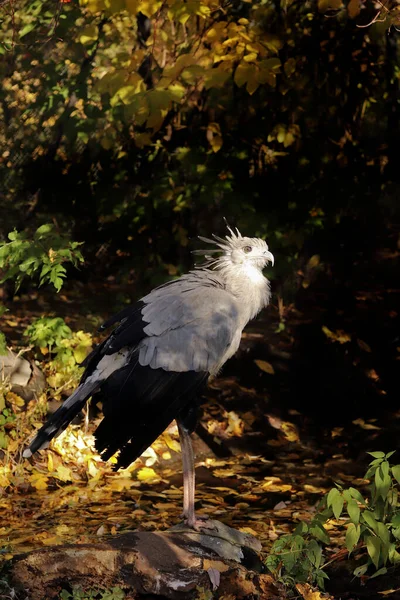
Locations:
(199, 523)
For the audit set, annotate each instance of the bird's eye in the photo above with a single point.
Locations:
(247, 249)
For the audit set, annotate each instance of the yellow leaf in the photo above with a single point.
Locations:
(44, 350)
(308, 593)
(326, 5)
(39, 481)
(216, 78)
(290, 431)
(118, 484)
(149, 7)
(89, 35)
(177, 91)
(147, 474)
(132, 6)
(336, 336)
(93, 5)
(365, 425)
(171, 443)
(252, 82)
(63, 473)
(235, 424)
(289, 67)
(250, 57)
(92, 469)
(353, 8)
(314, 261)
(50, 462)
(242, 74)
(126, 94)
(14, 399)
(265, 366)
(4, 481)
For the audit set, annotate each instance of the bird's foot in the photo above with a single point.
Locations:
(199, 522)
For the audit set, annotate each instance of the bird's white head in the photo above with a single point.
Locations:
(236, 250)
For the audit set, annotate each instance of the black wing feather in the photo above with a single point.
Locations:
(128, 334)
(139, 404)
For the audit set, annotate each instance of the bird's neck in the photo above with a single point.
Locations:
(250, 287)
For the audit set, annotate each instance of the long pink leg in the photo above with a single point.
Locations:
(188, 476)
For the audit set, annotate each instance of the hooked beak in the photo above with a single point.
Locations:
(269, 256)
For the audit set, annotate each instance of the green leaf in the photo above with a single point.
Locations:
(319, 532)
(382, 480)
(314, 553)
(381, 571)
(360, 571)
(396, 520)
(396, 472)
(377, 454)
(301, 528)
(374, 549)
(352, 536)
(44, 230)
(369, 519)
(3, 344)
(383, 533)
(356, 495)
(337, 506)
(354, 511)
(27, 29)
(333, 493)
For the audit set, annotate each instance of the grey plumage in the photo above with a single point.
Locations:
(159, 357)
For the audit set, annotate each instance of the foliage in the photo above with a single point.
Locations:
(3, 344)
(372, 524)
(43, 255)
(115, 593)
(298, 557)
(66, 349)
(7, 418)
(376, 522)
(47, 332)
(143, 122)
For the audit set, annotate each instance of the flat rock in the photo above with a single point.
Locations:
(175, 564)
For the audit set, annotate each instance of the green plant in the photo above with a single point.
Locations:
(66, 348)
(298, 556)
(3, 344)
(7, 418)
(115, 593)
(373, 523)
(48, 332)
(43, 254)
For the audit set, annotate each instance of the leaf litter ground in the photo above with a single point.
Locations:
(274, 438)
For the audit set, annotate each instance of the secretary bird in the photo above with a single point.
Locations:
(157, 360)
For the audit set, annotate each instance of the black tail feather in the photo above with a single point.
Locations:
(139, 404)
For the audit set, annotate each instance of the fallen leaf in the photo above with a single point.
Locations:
(290, 431)
(365, 425)
(39, 481)
(63, 473)
(337, 336)
(364, 346)
(235, 424)
(308, 593)
(265, 366)
(147, 474)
